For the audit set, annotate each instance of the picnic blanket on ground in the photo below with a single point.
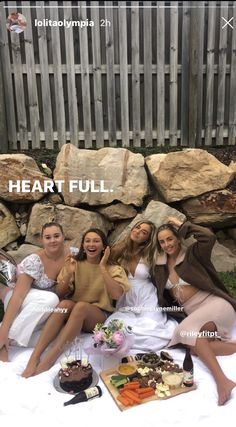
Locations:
(34, 401)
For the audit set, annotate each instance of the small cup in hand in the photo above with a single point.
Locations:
(74, 251)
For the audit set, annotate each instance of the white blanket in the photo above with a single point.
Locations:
(35, 402)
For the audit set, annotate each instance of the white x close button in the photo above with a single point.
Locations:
(227, 22)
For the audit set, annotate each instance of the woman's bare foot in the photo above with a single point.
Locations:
(31, 367)
(4, 354)
(224, 390)
(43, 366)
(48, 361)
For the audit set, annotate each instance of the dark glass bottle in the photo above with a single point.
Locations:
(188, 369)
(84, 396)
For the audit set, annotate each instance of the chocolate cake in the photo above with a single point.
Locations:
(75, 377)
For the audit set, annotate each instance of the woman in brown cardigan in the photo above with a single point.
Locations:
(188, 277)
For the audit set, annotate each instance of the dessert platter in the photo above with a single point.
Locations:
(75, 376)
(153, 377)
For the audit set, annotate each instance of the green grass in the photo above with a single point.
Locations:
(229, 279)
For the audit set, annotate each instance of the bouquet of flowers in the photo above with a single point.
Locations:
(115, 337)
(8, 269)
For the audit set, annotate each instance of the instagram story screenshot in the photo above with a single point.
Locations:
(118, 212)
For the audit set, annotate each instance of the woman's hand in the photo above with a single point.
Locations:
(105, 257)
(174, 221)
(114, 288)
(66, 277)
(70, 264)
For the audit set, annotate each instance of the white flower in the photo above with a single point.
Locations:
(65, 360)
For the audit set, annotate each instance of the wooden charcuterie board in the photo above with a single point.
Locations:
(106, 375)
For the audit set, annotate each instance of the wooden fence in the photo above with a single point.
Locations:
(137, 74)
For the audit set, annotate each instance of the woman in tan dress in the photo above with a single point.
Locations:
(187, 277)
(96, 284)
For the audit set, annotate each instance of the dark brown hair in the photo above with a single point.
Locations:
(52, 224)
(81, 255)
(166, 227)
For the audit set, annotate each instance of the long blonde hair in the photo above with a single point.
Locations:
(122, 252)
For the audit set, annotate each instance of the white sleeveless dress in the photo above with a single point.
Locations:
(139, 309)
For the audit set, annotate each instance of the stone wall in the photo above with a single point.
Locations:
(112, 188)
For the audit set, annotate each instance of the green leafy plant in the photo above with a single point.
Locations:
(229, 279)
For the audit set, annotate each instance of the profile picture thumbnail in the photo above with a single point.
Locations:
(16, 22)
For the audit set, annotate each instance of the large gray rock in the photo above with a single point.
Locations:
(118, 230)
(23, 251)
(73, 220)
(101, 176)
(8, 228)
(117, 212)
(188, 173)
(232, 166)
(216, 208)
(222, 258)
(22, 170)
(157, 212)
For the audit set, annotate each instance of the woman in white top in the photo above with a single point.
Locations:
(33, 296)
(139, 307)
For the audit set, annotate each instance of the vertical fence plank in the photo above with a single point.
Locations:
(232, 86)
(210, 74)
(135, 58)
(173, 73)
(19, 86)
(70, 71)
(221, 76)
(31, 79)
(185, 74)
(98, 104)
(3, 124)
(124, 97)
(58, 83)
(147, 42)
(85, 78)
(7, 81)
(201, 14)
(193, 74)
(160, 74)
(110, 75)
(46, 93)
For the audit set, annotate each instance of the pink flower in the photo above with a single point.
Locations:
(98, 337)
(118, 338)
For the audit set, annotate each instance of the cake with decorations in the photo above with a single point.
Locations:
(75, 376)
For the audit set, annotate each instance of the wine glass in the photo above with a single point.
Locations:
(81, 348)
(67, 351)
(76, 348)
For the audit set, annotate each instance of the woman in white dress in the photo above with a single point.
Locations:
(139, 307)
(33, 296)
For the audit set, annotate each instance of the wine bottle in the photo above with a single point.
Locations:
(188, 369)
(84, 396)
